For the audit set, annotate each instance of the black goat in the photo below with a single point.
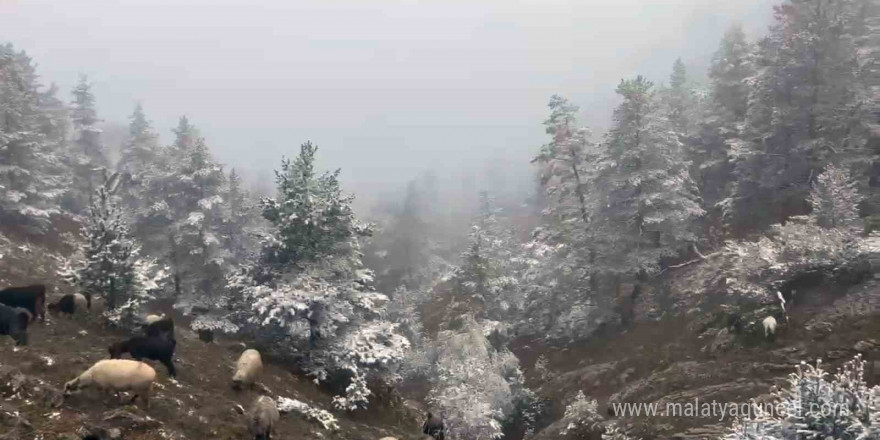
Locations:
(150, 347)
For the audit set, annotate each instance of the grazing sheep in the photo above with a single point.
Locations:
(14, 322)
(32, 298)
(69, 304)
(769, 327)
(116, 375)
(247, 369)
(262, 418)
(434, 427)
(150, 347)
(152, 318)
(163, 328)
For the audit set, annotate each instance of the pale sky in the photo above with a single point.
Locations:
(387, 89)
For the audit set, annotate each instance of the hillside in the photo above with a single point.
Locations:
(200, 405)
(677, 359)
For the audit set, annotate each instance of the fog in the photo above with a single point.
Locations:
(387, 89)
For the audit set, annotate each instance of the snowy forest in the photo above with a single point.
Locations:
(641, 265)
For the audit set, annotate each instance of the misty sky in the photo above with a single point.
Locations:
(387, 89)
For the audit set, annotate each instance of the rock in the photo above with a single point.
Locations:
(836, 354)
(125, 419)
(865, 346)
(820, 330)
(13, 382)
(722, 342)
(90, 432)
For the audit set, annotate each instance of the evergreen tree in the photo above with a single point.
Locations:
(109, 266)
(87, 155)
(185, 134)
(311, 214)
(238, 216)
(649, 203)
(32, 175)
(141, 147)
(803, 110)
(731, 66)
(679, 98)
(488, 271)
(408, 252)
(834, 198)
(723, 116)
(568, 168)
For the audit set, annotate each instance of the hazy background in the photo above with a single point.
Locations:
(387, 89)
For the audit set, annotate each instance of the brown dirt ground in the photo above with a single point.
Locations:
(200, 406)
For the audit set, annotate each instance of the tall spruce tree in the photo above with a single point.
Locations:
(648, 202)
(679, 98)
(87, 153)
(140, 149)
(108, 269)
(32, 170)
(723, 117)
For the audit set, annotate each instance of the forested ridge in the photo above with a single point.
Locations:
(646, 258)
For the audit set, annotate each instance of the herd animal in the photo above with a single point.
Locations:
(14, 322)
(434, 427)
(31, 298)
(147, 347)
(20, 306)
(70, 304)
(116, 375)
(247, 369)
(262, 418)
(769, 327)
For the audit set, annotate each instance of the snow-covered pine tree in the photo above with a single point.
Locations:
(312, 214)
(180, 209)
(310, 288)
(568, 166)
(141, 147)
(649, 203)
(723, 115)
(731, 66)
(238, 215)
(835, 198)
(816, 406)
(475, 386)
(31, 170)
(679, 98)
(199, 260)
(489, 269)
(87, 153)
(108, 269)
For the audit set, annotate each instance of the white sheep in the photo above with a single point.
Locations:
(117, 375)
(263, 417)
(247, 369)
(153, 318)
(769, 326)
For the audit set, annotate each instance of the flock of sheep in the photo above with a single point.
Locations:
(19, 306)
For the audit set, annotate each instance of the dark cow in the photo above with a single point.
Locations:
(163, 328)
(31, 298)
(150, 347)
(14, 322)
(434, 427)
